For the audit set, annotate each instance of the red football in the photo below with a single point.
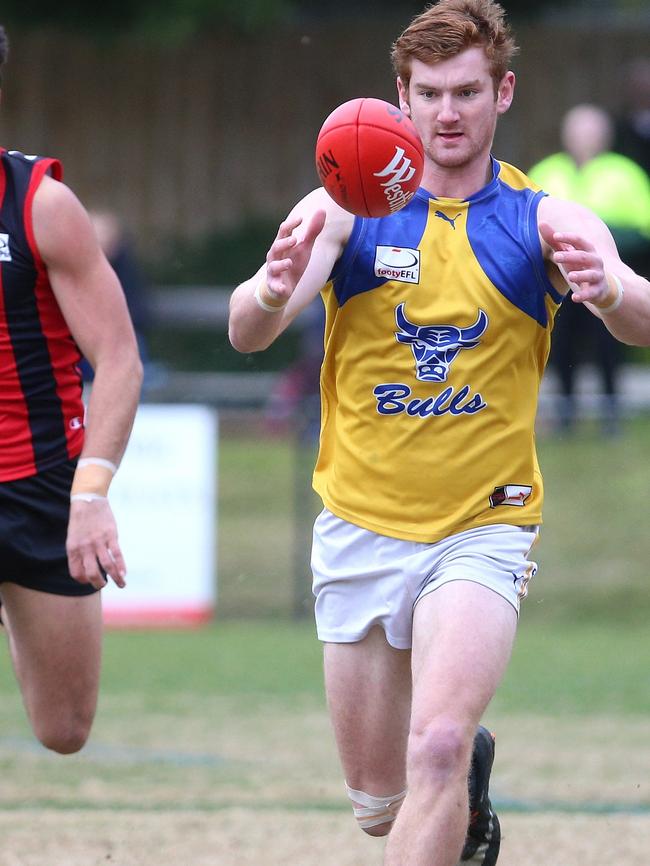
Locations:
(369, 157)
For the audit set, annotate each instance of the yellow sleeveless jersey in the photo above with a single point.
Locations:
(438, 322)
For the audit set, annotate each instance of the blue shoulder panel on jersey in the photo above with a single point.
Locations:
(500, 222)
(350, 273)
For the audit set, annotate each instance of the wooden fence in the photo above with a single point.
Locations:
(200, 137)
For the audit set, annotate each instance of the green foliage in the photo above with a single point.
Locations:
(209, 351)
(223, 258)
(170, 21)
(219, 258)
(176, 20)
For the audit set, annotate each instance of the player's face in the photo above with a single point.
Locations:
(454, 107)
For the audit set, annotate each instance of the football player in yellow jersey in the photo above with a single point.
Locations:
(427, 464)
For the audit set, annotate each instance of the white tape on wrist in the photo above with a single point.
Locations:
(618, 300)
(86, 497)
(97, 461)
(268, 308)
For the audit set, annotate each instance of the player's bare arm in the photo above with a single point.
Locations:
(297, 266)
(93, 305)
(582, 248)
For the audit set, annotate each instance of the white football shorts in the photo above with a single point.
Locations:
(362, 579)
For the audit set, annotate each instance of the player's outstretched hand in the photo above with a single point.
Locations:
(580, 264)
(290, 252)
(92, 541)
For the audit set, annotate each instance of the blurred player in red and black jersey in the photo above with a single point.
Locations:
(59, 299)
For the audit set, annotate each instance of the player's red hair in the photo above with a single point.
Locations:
(448, 27)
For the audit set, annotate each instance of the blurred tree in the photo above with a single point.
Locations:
(177, 19)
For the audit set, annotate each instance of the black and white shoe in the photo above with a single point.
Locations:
(484, 833)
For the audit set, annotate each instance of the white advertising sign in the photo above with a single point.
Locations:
(164, 500)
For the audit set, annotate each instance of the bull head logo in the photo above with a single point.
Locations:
(435, 346)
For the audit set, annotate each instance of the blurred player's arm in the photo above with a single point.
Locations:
(93, 305)
(297, 266)
(584, 251)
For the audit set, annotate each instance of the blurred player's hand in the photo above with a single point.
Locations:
(92, 541)
(580, 264)
(289, 255)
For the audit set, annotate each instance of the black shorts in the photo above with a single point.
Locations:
(34, 515)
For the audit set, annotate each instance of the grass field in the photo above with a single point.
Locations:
(213, 746)
(593, 554)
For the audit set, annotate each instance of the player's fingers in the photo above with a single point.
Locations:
(547, 233)
(278, 284)
(575, 240)
(315, 226)
(576, 259)
(550, 236)
(280, 248)
(90, 571)
(287, 227)
(94, 573)
(112, 561)
(75, 566)
(584, 278)
(278, 267)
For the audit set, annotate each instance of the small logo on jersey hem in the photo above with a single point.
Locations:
(398, 263)
(510, 494)
(5, 250)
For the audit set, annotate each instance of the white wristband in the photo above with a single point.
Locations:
(267, 307)
(618, 300)
(86, 497)
(97, 461)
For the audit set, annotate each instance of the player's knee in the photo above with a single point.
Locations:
(375, 815)
(439, 751)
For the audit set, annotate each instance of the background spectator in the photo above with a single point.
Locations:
(118, 249)
(618, 190)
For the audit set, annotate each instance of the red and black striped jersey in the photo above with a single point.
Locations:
(41, 408)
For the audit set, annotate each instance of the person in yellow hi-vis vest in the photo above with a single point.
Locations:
(618, 190)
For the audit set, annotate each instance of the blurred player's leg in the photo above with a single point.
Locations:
(368, 687)
(462, 640)
(55, 645)
(369, 693)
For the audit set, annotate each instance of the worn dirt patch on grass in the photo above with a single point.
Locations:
(240, 837)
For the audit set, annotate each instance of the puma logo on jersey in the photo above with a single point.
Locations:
(450, 220)
(5, 250)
